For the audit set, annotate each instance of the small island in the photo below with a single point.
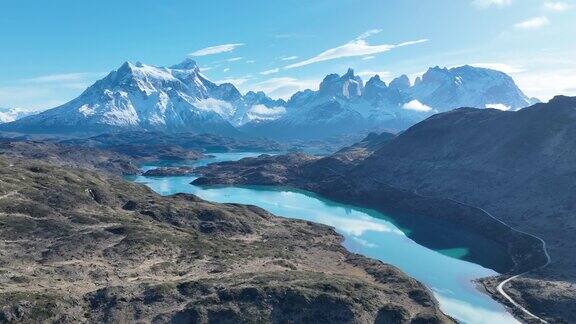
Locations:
(169, 171)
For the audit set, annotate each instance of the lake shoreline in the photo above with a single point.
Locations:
(525, 251)
(354, 204)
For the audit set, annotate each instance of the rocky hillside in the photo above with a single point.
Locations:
(139, 142)
(81, 246)
(518, 166)
(67, 156)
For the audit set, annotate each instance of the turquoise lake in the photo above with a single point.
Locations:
(366, 232)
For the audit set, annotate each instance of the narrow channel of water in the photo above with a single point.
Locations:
(366, 232)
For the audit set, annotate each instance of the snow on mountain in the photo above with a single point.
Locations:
(8, 115)
(179, 98)
(466, 86)
(140, 96)
(344, 105)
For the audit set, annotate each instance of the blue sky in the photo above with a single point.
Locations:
(50, 51)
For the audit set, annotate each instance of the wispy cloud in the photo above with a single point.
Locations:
(272, 71)
(64, 77)
(226, 69)
(503, 67)
(557, 6)
(369, 33)
(547, 83)
(366, 74)
(235, 81)
(234, 59)
(357, 47)
(370, 57)
(46, 91)
(284, 87)
(489, 3)
(533, 23)
(289, 58)
(224, 48)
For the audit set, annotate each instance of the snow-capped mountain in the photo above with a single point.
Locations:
(345, 105)
(8, 115)
(138, 96)
(467, 86)
(326, 112)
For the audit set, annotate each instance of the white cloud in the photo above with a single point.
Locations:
(289, 58)
(503, 67)
(235, 81)
(557, 6)
(489, 3)
(416, 106)
(204, 69)
(65, 77)
(234, 59)
(262, 112)
(46, 91)
(498, 106)
(358, 47)
(216, 49)
(547, 83)
(284, 87)
(272, 71)
(366, 74)
(370, 57)
(533, 23)
(250, 61)
(369, 33)
(226, 70)
(222, 108)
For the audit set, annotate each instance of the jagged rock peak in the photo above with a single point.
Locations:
(187, 64)
(375, 81)
(401, 83)
(349, 74)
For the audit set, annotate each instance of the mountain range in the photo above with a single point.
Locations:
(180, 99)
(345, 103)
